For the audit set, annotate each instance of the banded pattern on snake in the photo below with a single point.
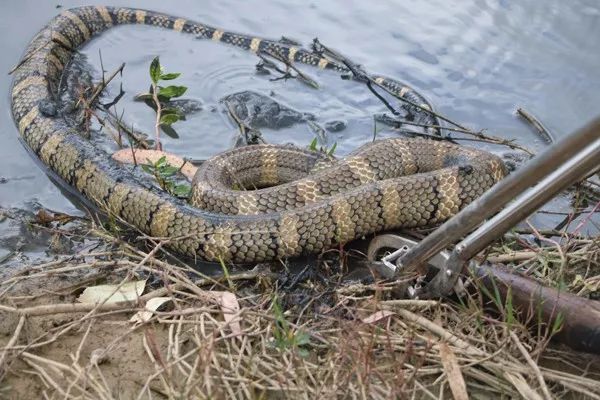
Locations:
(364, 193)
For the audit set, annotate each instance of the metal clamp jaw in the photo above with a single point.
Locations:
(448, 266)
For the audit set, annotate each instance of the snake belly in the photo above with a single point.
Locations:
(401, 183)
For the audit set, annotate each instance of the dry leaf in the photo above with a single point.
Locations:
(456, 381)
(230, 307)
(151, 306)
(45, 217)
(142, 156)
(378, 316)
(129, 291)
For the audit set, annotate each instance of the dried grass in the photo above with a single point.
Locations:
(321, 339)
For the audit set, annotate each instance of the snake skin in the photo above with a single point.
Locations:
(364, 193)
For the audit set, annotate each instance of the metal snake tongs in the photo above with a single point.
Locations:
(387, 267)
(567, 161)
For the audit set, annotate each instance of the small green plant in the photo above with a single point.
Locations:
(557, 325)
(165, 175)
(112, 226)
(329, 152)
(226, 274)
(285, 336)
(158, 98)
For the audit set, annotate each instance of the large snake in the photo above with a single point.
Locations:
(387, 184)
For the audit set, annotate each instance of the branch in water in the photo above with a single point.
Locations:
(362, 76)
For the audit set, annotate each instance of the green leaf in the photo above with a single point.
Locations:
(143, 97)
(155, 70)
(558, 323)
(147, 168)
(168, 119)
(330, 152)
(172, 91)
(169, 131)
(171, 110)
(151, 104)
(302, 338)
(169, 76)
(303, 353)
(160, 162)
(182, 190)
(313, 145)
(168, 171)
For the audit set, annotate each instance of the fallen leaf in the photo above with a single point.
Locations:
(378, 316)
(129, 291)
(45, 217)
(456, 381)
(230, 307)
(151, 306)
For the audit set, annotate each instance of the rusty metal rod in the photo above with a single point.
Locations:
(577, 317)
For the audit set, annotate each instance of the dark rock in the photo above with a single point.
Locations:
(185, 106)
(260, 111)
(335, 126)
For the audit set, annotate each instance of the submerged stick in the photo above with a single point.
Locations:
(539, 127)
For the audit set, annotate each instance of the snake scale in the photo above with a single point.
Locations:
(387, 184)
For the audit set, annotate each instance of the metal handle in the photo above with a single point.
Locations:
(548, 162)
(566, 162)
(575, 169)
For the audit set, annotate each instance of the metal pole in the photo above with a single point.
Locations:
(578, 167)
(499, 195)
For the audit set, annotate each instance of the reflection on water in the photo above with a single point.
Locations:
(477, 61)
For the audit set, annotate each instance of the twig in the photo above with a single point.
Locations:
(406, 303)
(11, 342)
(65, 308)
(245, 128)
(512, 256)
(479, 136)
(158, 115)
(362, 76)
(136, 136)
(591, 188)
(102, 85)
(539, 127)
(311, 82)
(318, 131)
(440, 331)
(270, 64)
(381, 98)
(397, 123)
(519, 382)
(533, 365)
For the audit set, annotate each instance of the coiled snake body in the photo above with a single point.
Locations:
(364, 193)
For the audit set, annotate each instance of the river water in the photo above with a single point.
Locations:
(475, 60)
